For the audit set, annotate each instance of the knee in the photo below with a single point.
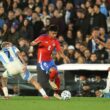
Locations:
(53, 74)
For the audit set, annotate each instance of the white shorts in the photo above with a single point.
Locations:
(16, 67)
(13, 68)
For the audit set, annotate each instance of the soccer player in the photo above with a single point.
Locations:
(14, 64)
(47, 43)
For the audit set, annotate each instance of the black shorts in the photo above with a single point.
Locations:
(43, 78)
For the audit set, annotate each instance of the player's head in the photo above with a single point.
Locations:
(6, 44)
(53, 30)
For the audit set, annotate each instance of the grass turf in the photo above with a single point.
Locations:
(37, 103)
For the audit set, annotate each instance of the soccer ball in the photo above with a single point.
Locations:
(66, 95)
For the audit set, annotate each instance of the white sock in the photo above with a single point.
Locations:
(108, 82)
(5, 91)
(42, 91)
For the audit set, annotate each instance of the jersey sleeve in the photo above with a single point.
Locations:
(39, 39)
(15, 49)
(58, 47)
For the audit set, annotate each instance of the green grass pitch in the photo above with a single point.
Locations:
(37, 103)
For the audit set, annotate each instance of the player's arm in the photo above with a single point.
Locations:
(33, 43)
(36, 41)
(65, 58)
(60, 52)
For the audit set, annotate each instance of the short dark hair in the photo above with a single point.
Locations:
(94, 29)
(53, 28)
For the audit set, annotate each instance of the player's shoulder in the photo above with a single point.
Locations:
(13, 47)
(56, 40)
(0, 51)
(44, 35)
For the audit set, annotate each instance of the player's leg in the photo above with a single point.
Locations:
(30, 78)
(56, 92)
(107, 89)
(51, 69)
(38, 87)
(4, 80)
(12, 69)
(48, 68)
(43, 79)
(52, 75)
(54, 81)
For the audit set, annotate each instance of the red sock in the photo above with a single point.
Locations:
(53, 74)
(57, 82)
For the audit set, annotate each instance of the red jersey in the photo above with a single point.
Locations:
(46, 46)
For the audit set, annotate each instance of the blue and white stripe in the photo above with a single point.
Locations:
(8, 55)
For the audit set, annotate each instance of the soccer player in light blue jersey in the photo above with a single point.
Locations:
(14, 64)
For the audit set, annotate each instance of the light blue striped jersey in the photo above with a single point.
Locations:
(8, 55)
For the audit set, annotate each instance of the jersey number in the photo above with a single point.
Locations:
(49, 47)
(7, 53)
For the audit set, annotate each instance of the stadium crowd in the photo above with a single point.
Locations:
(80, 22)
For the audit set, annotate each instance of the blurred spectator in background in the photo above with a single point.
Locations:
(83, 86)
(79, 36)
(81, 60)
(103, 8)
(59, 7)
(37, 25)
(75, 20)
(82, 48)
(91, 44)
(69, 38)
(58, 20)
(93, 59)
(69, 13)
(102, 54)
(82, 22)
(71, 51)
(2, 16)
(87, 55)
(51, 8)
(4, 33)
(13, 35)
(26, 30)
(99, 18)
(10, 21)
(98, 83)
(103, 36)
(77, 55)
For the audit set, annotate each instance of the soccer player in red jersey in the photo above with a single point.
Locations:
(47, 43)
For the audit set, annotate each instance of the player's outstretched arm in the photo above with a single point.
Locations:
(35, 42)
(65, 58)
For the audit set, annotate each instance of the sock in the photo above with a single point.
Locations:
(57, 82)
(42, 91)
(108, 81)
(5, 91)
